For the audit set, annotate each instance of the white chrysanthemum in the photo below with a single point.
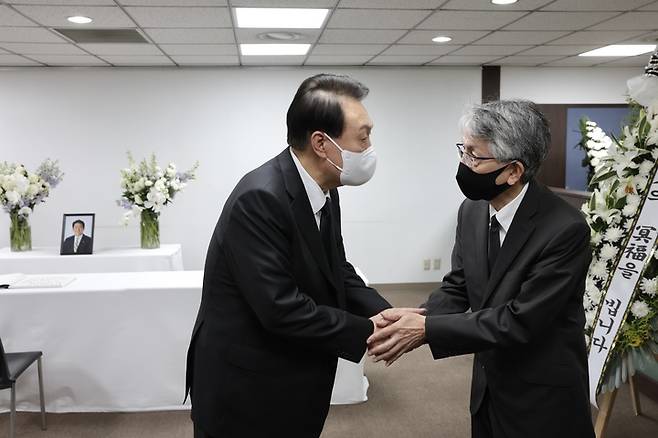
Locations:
(608, 252)
(22, 184)
(12, 197)
(629, 210)
(645, 167)
(649, 285)
(25, 211)
(594, 295)
(613, 234)
(640, 309)
(589, 282)
(599, 269)
(8, 183)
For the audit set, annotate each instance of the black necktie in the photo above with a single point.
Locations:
(326, 231)
(494, 242)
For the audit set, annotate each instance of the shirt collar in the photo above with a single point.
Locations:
(506, 214)
(316, 196)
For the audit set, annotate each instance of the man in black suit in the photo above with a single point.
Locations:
(519, 264)
(79, 243)
(280, 302)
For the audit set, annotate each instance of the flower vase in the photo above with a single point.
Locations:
(150, 229)
(20, 233)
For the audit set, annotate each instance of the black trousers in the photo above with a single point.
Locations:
(198, 433)
(485, 423)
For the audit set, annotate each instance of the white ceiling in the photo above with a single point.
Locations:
(357, 32)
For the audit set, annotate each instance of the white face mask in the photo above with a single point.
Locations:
(358, 167)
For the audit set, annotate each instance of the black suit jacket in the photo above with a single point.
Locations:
(274, 318)
(83, 248)
(526, 327)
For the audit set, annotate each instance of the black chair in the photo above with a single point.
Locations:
(12, 365)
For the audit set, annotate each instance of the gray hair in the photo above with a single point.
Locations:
(514, 129)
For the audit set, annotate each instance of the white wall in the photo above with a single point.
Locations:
(232, 120)
(566, 85)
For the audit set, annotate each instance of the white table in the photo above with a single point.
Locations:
(116, 342)
(48, 260)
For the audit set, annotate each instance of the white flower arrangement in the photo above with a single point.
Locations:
(147, 186)
(623, 171)
(595, 143)
(21, 190)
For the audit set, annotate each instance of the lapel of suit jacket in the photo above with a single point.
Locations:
(301, 208)
(519, 231)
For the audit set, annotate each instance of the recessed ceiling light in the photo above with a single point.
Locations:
(280, 18)
(504, 2)
(274, 49)
(621, 50)
(79, 19)
(441, 39)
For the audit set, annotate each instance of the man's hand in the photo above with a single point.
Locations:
(388, 316)
(398, 331)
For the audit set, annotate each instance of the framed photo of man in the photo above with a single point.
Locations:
(77, 234)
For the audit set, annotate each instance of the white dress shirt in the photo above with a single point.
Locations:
(506, 214)
(76, 243)
(316, 196)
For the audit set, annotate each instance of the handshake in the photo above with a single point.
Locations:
(397, 331)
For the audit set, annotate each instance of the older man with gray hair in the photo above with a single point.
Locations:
(519, 264)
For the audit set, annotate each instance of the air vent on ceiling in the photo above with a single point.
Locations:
(82, 36)
(279, 36)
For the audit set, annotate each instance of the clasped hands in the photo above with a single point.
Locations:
(397, 331)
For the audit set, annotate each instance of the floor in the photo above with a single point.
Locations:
(415, 397)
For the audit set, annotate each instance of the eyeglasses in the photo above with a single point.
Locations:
(468, 158)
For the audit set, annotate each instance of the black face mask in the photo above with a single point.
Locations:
(477, 186)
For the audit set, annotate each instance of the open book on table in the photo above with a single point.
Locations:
(22, 281)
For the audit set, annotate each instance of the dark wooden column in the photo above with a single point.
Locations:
(490, 83)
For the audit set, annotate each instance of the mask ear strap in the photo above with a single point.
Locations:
(334, 164)
(332, 140)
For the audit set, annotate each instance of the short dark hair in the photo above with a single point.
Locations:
(316, 107)
(78, 221)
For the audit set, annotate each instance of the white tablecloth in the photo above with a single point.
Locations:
(48, 260)
(116, 342)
